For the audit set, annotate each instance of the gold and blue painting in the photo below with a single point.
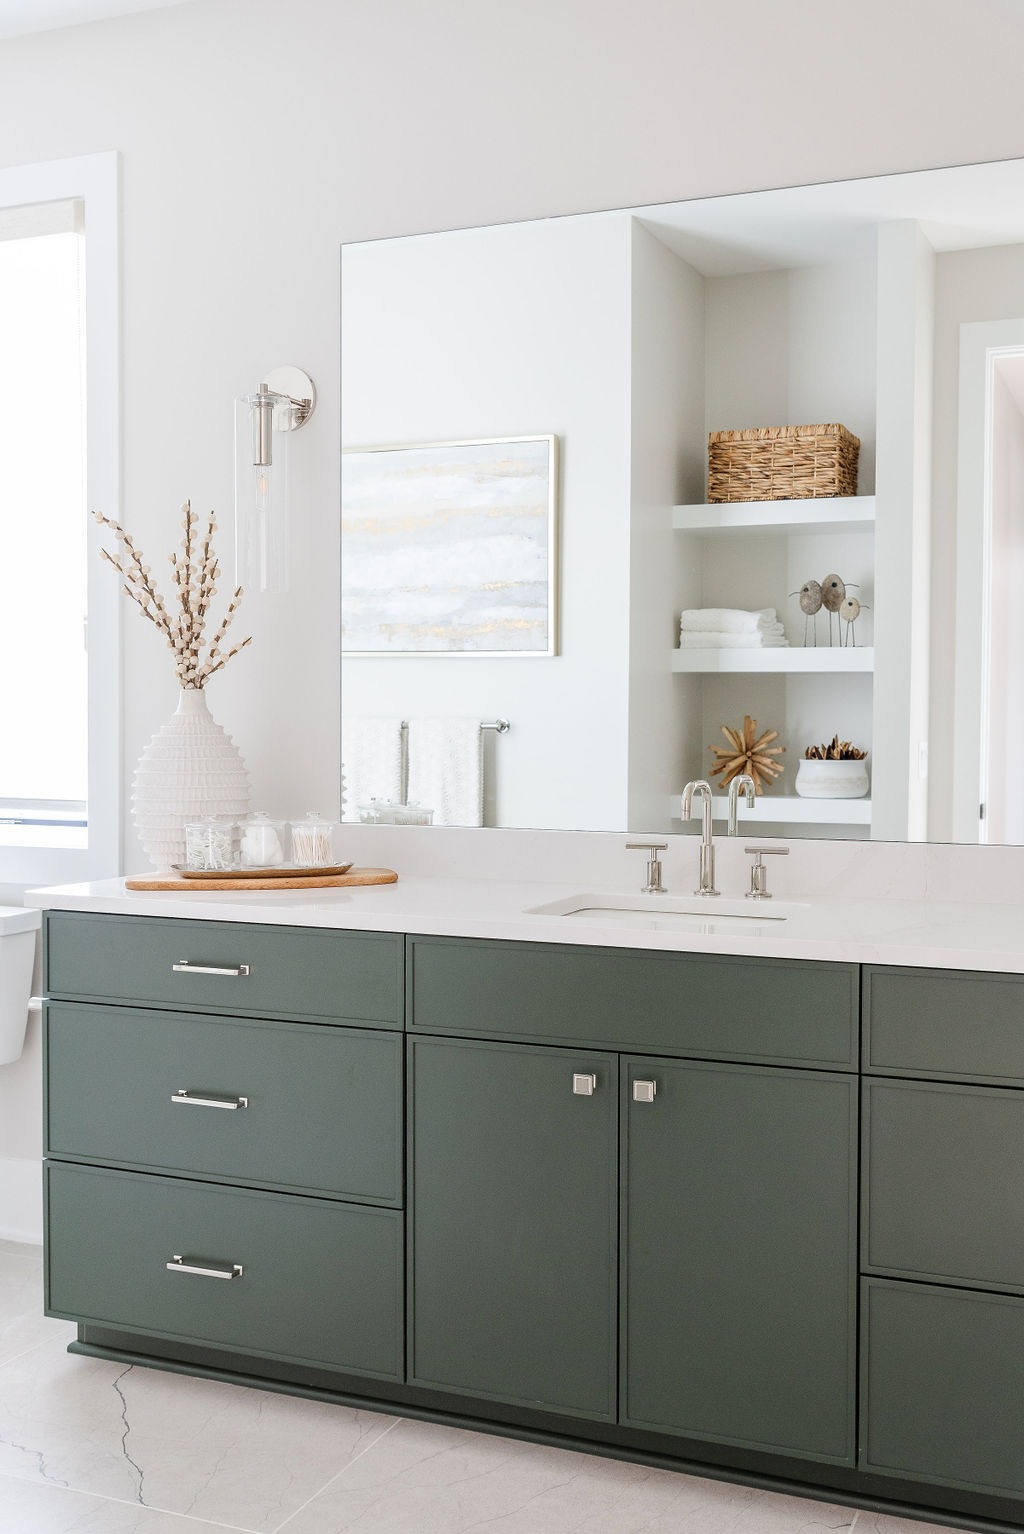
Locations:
(449, 548)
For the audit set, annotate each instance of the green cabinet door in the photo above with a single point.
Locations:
(513, 1223)
(739, 1257)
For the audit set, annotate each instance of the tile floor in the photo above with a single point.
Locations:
(88, 1447)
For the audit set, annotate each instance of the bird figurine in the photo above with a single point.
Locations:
(810, 605)
(849, 611)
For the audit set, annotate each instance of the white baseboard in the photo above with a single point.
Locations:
(21, 1200)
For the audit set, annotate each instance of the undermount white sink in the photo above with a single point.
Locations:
(670, 913)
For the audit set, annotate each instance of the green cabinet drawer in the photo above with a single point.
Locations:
(320, 1281)
(318, 1109)
(259, 971)
(739, 1255)
(941, 1023)
(941, 1395)
(774, 1010)
(942, 1177)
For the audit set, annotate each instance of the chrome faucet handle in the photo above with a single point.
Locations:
(759, 874)
(654, 885)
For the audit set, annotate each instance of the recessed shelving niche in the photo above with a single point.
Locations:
(745, 554)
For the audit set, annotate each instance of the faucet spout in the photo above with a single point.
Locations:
(702, 790)
(746, 782)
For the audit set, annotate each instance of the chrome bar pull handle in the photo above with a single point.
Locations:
(179, 1264)
(186, 967)
(584, 1085)
(645, 1091)
(208, 1099)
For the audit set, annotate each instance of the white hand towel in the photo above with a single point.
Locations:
(770, 630)
(727, 620)
(709, 641)
(446, 769)
(371, 761)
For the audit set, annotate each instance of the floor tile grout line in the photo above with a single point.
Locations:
(147, 1507)
(283, 1527)
(44, 1343)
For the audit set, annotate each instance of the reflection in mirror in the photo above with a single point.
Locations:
(628, 337)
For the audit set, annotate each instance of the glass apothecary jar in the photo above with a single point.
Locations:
(388, 812)
(313, 841)
(413, 814)
(211, 845)
(262, 841)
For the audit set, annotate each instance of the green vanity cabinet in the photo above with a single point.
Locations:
(739, 1255)
(942, 1397)
(512, 1223)
(611, 1198)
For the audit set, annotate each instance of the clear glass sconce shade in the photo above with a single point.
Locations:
(261, 498)
(283, 402)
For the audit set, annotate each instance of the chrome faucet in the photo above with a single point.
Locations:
(707, 851)
(746, 782)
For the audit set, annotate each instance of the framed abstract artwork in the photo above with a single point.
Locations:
(450, 548)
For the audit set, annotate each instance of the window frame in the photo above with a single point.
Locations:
(94, 180)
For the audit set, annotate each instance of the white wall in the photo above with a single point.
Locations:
(668, 454)
(517, 330)
(392, 117)
(1004, 810)
(256, 137)
(970, 286)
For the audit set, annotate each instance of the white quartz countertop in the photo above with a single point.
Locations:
(928, 933)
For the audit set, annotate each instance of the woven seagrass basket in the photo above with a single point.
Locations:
(782, 463)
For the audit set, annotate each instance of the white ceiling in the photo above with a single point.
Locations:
(18, 17)
(961, 208)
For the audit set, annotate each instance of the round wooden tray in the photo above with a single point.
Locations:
(282, 871)
(355, 876)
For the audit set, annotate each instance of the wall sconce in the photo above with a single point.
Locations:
(284, 401)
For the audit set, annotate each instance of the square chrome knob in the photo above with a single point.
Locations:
(584, 1085)
(644, 1091)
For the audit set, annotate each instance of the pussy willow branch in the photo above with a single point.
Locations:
(194, 575)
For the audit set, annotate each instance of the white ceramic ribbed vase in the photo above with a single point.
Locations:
(191, 769)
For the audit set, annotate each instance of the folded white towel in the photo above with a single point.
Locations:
(446, 769)
(710, 641)
(727, 620)
(371, 761)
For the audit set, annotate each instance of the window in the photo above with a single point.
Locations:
(59, 687)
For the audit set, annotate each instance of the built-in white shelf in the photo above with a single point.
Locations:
(795, 659)
(789, 809)
(836, 514)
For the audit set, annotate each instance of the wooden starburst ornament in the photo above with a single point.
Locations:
(748, 752)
